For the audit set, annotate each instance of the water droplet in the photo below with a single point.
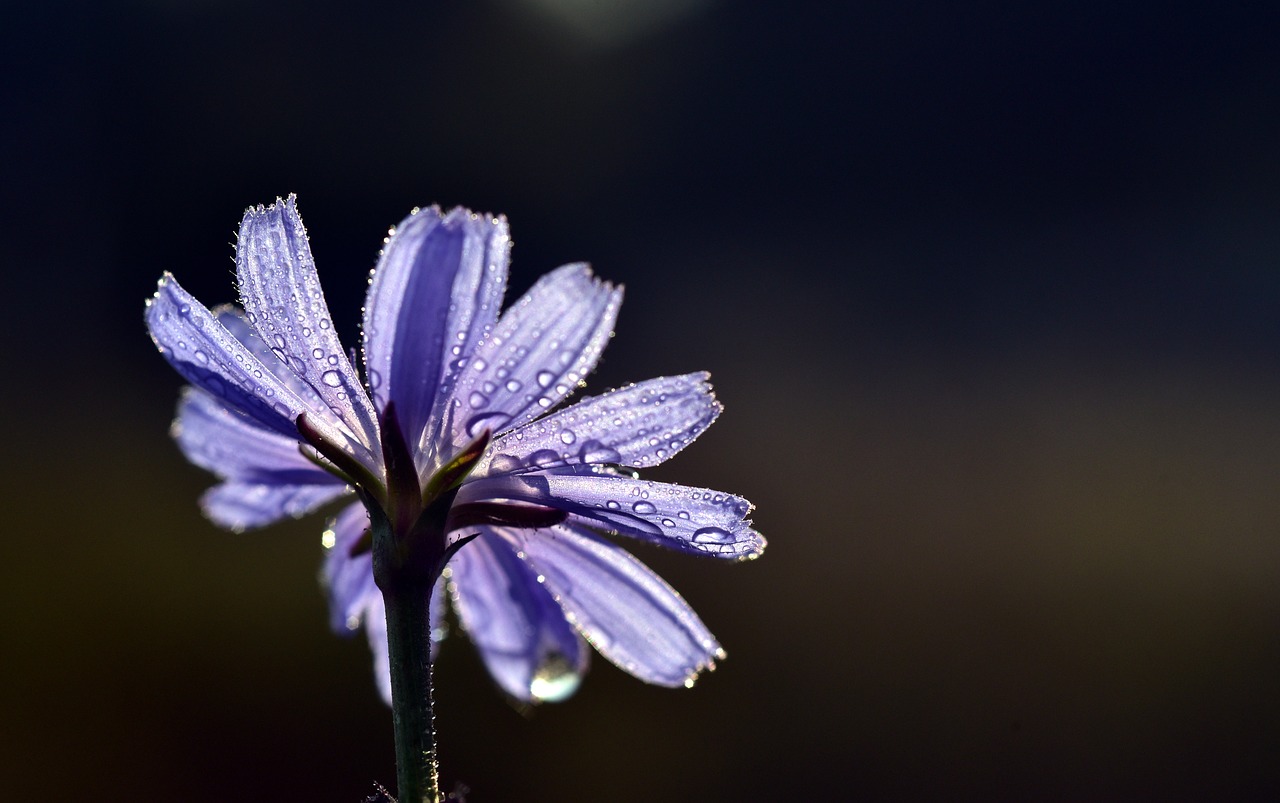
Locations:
(593, 451)
(613, 505)
(331, 378)
(554, 680)
(505, 464)
(545, 378)
(201, 356)
(479, 364)
(712, 535)
(566, 358)
(684, 514)
(668, 523)
(477, 400)
(280, 341)
(544, 402)
(324, 323)
(492, 421)
(333, 359)
(513, 385)
(644, 508)
(317, 353)
(488, 387)
(375, 378)
(543, 458)
(567, 437)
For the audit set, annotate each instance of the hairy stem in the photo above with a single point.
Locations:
(409, 642)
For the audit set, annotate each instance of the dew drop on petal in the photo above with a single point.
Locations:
(493, 421)
(613, 505)
(477, 400)
(644, 508)
(567, 437)
(331, 378)
(543, 458)
(513, 385)
(201, 356)
(317, 353)
(593, 451)
(505, 464)
(554, 680)
(545, 378)
(712, 535)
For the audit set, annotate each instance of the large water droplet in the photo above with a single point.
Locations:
(712, 535)
(613, 505)
(593, 451)
(543, 458)
(317, 353)
(201, 356)
(492, 421)
(644, 508)
(331, 378)
(567, 437)
(554, 680)
(513, 385)
(545, 378)
(477, 400)
(505, 463)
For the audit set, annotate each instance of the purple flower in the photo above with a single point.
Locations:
(453, 410)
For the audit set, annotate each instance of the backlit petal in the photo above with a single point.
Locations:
(641, 425)
(538, 352)
(243, 506)
(695, 520)
(283, 302)
(234, 447)
(628, 613)
(436, 291)
(522, 635)
(207, 355)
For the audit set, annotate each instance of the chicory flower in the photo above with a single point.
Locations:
(454, 414)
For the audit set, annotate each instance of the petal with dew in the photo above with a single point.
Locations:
(243, 506)
(538, 352)
(284, 303)
(628, 613)
(234, 447)
(694, 520)
(436, 291)
(211, 358)
(522, 635)
(348, 578)
(641, 425)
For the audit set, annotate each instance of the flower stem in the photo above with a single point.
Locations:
(409, 642)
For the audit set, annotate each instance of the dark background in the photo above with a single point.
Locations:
(989, 291)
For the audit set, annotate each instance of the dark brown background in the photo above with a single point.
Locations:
(990, 293)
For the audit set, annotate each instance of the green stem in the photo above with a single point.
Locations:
(409, 642)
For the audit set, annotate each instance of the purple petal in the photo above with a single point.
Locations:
(623, 609)
(234, 447)
(641, 425)
(541, 348)
(207, 355)
(284, 303)
(521, 633)
(694, 520)
(242, 506)
(348, 580)
(436, 291)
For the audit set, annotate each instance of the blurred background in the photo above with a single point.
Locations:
(990, 292)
